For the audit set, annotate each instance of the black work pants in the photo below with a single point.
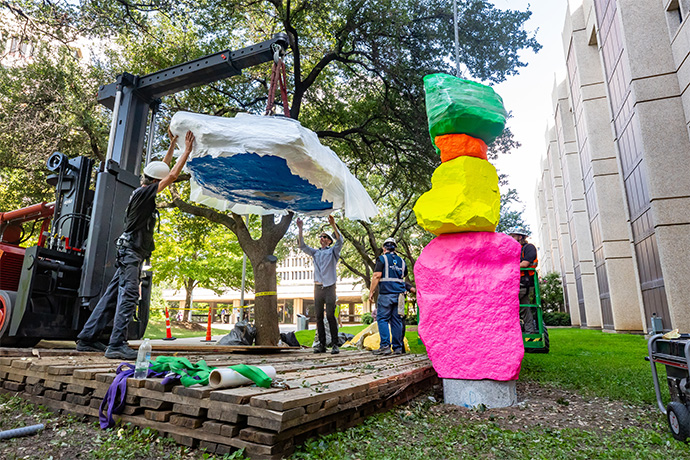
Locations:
(527, 316)
(118, 302)
(325, 295)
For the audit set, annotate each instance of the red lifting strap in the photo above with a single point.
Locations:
(278, 78)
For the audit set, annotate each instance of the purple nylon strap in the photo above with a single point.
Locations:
(114, 399)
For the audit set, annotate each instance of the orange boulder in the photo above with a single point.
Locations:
(457, 145)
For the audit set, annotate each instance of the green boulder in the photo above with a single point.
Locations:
(457, 106)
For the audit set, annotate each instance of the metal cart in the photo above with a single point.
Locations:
(675, 355)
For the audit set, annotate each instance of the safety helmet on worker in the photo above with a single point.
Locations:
(157, 170)
(390, 243)
(518, 231)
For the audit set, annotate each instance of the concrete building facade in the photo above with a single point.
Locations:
(626, 86)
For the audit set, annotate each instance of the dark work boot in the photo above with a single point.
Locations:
(121, 352)
(382, 352)
(319, 349)
(335, 350)
(87, 345)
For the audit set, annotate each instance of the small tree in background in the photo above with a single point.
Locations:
(510, 217)
(552, 292)
(194, 252)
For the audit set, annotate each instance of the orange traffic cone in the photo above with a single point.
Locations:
(168, 331)
(208, 326)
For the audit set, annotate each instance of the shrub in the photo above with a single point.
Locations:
(556, 318)
(551, 291)
(367, 318)
(411, 320)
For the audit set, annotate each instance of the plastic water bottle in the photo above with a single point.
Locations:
(141, 368)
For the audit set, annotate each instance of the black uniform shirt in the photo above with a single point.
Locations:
(140, 219)
(528, 253)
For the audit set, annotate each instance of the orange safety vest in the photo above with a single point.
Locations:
(532, 265)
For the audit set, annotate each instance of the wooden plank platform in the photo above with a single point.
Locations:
(321, 394)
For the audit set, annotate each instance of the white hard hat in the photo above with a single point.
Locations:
(157, 170)
(390, 240)
(518, 231)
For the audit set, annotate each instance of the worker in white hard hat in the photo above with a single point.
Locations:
(389, 277)
(528, 259)
(134, 246)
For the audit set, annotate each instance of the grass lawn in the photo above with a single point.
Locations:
(593, 363)
(306, 338)
(593, 370)
(598, 363)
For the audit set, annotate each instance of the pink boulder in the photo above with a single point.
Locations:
(467, 291)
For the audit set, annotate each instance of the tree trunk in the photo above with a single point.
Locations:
(260, 254)
(189, 289)
(266, 301)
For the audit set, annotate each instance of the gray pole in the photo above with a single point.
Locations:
(244, 275)
(457, 39)
(152, 133)
(113, 125)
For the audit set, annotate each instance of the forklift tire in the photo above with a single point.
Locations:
(7, 299)
(678, 420)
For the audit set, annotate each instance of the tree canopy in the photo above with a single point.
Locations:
(355, 78)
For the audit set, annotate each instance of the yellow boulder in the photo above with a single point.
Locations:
(464, 197)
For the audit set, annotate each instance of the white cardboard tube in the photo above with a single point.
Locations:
(228, 378)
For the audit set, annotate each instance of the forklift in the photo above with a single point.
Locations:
(539, 342)
(48, 291)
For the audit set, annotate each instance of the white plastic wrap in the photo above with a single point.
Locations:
(280, 137)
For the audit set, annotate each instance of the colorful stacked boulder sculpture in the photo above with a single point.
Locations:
(468, 277)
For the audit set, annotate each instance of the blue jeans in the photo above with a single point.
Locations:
(387, 313)
(119, 301)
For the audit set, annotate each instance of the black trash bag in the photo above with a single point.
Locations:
(328, 335)
(243, 334)
(290, 339)
(344, 337)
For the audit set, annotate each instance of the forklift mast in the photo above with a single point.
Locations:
(61, 283)
(132, 98)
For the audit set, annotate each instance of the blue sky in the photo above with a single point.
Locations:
(528, 97)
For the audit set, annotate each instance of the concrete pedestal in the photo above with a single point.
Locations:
(472, 393)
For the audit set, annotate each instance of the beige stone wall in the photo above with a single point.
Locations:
(608, 201)
(578, 220)
(550, 211)
(656, 51)
(546, 263)
(660, 79)
(561, 228)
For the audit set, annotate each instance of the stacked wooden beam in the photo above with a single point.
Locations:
(320, 394)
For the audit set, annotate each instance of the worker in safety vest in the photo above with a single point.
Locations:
(528, 259)
(389, 277)
(134, 246)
